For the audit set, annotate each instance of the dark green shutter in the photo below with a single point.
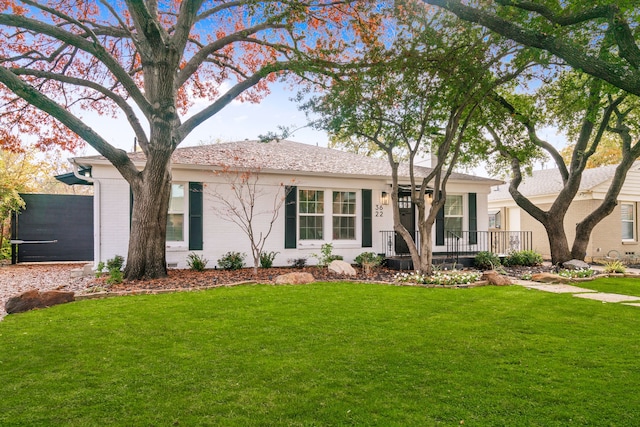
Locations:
(195, 216)
(440, 227)
(367, 219)
(473, 219)
(290, 216)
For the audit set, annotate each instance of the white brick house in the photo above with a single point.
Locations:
(332, 197)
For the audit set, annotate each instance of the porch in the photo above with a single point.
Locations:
(460, 247)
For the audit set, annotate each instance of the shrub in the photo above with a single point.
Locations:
(115, 276)
(100, 269)
(266, 259)
(297, 262)
(370, 258)
(196, 262)
(486, 260)
(115, 263)
(439, 278)
(523, 258)
(232, 261)
(326, 255)
(614, 267)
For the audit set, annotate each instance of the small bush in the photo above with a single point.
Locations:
(115, 276)
(232, 261)
(486, 260)
(100, 269)
(523, 258)
(325, 257)
(448, 278)
(370, 258)
(266, 259)
(614, 267)
(297, 262)
(196, 262)
(115, 263)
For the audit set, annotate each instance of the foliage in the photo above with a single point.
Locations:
(266, 259)
(114, 269)
(196, 262)
(232, 260)
(100, 269)
(420, 98)
(326, 256)
(526, 364)
(297, 262)
(370, 258)
(608, 153)
(526, 258)
(444, 278)
(576, 274)
(615, 266)
(486, 260)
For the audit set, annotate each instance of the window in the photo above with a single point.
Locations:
(494, 220)
(453, 214)
(344, 215)
(628, 221)
(175, 217)
(311, 209)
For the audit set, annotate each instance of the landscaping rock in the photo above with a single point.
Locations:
(294, 279)
(495, 278)
(549, 278)
(35, 299)
(576, 264)
(341, 267)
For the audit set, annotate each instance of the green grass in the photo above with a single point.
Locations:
(615, 285)
(321, 355)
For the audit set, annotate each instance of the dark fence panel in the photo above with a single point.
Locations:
(54, 227)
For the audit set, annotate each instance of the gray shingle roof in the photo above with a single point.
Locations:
(288, 156)
(549, 182)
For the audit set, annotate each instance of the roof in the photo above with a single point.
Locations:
(549, 182)
(287, 156)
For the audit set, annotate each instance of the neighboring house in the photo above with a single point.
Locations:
(617, 232)
(333, 197)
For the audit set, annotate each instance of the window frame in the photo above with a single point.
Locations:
(341, 215)
(632, 221)
(314, 214)
(461, 215)
(184, 212)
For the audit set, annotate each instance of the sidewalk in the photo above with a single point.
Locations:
(585, 293)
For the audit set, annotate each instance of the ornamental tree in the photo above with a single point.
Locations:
(147, 61)
(421, 100)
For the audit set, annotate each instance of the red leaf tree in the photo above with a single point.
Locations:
(146, 61)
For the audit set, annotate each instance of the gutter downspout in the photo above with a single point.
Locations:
(97, 230)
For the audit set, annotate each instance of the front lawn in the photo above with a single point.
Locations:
(614, 285)
(324, 354)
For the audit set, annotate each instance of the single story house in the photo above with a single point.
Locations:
(331, 196)
(616, 234)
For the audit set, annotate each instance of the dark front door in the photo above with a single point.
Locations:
(408, 220)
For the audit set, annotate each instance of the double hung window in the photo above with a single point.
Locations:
(344, 215)
(628, 221)
(453, 214)
(175, 217)
(311, 210)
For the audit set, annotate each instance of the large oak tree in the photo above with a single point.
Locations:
(147, 61)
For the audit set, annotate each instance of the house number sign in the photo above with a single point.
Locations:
(379, 211)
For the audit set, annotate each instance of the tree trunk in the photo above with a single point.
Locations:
(147, 241)
(557, 240)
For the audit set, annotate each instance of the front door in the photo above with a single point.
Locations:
(408, 220)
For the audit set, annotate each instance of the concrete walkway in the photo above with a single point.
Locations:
(585, 293)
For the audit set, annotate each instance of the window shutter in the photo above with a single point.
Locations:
(440, 227)
(367, 219)
(473, 219)
(290, 215)
(195, 216)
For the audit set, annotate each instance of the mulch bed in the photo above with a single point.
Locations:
(189, 279)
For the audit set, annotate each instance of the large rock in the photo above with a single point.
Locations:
(35, 299)
(294, 279)
(495, 278)
(576, 264)
(341, 267)
(549, 278)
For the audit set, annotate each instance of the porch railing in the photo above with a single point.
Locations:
(469, 242)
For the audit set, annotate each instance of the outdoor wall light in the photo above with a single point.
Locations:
(429, 198)
(384, 198)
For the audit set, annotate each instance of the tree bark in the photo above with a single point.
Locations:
(151, 190)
